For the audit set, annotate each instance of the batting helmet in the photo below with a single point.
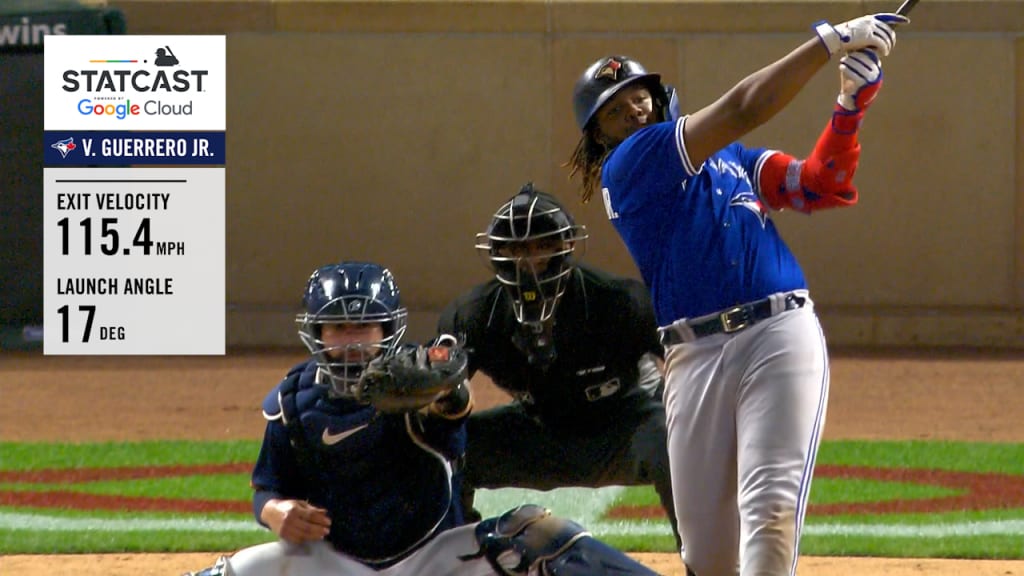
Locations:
(350, 293)
(529, 244)
(603, 79)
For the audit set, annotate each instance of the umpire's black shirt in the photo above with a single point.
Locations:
(604, 324)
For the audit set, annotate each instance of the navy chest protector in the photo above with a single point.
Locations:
(296, 394)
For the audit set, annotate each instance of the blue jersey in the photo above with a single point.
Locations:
(386, 481)
(700, 236)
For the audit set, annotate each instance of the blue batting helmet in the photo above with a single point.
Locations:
(605, 78)
(350, 293)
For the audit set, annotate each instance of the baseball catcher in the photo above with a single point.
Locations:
(357, 474)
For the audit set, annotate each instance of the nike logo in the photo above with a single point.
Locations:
(332, 439)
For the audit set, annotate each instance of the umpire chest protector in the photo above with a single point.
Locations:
(602, 327)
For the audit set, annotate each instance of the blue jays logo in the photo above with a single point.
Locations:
(64, 146)
(609, 70)
(751, 202)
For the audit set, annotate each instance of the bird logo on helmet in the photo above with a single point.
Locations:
(610, 69)
(350, 293)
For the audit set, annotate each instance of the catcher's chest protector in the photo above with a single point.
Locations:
(298, 379)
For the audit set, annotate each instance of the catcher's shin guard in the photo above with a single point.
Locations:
(219, 568)
(529, 540)
(589, 556)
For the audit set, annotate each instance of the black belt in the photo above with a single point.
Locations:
(729, 320)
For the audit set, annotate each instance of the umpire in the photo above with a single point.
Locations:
(575, 347)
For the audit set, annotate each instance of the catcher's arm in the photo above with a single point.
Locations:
(416, 377)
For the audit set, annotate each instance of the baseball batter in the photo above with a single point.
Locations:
(746, 362)
(351, 488)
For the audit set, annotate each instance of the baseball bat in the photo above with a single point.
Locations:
(906, 7)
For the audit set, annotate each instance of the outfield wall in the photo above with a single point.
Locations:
(392, 130)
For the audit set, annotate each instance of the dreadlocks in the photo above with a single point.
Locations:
(586, 160)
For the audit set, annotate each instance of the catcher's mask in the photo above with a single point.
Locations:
(605, 78)
(350, 294)
(530, 245)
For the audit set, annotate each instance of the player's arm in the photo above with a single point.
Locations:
(751, 102)
(763, 94)
(825, 178)
(442, 424)
(276, 481)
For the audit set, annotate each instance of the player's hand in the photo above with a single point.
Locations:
(860, 76)
(874, 31)
(296, 521)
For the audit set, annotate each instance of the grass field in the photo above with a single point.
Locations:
(907, 499)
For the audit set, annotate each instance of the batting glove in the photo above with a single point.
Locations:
(873, 31)
(861, 76)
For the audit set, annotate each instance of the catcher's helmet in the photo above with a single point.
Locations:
(350, 293)
(529, 244)
(603, 79)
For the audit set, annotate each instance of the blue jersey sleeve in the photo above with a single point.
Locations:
(752, 159)
(276, 474)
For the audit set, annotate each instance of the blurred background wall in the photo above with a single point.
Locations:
(391, 131)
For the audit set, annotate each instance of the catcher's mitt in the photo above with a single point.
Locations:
(412, 378)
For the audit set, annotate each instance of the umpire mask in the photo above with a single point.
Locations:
(530, 244)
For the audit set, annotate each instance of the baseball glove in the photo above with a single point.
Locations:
(412, 378)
